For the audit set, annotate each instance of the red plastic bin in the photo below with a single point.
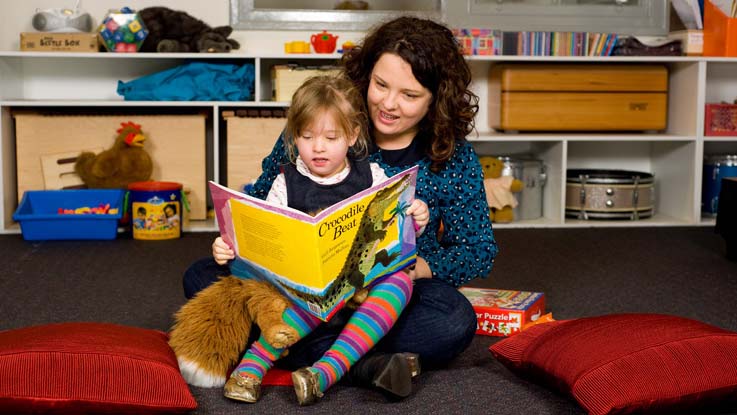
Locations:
(720, 119)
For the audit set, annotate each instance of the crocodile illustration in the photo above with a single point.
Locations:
(363, 255)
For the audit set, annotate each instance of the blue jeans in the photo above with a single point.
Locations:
(438, 323)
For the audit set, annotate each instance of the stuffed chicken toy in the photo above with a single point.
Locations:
(125, 162)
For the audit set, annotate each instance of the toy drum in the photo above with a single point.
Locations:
(531, 172)
(716, 167)
(609, 194)
(155, 210)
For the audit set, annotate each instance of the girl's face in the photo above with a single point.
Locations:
(397, 102)
(323, 146)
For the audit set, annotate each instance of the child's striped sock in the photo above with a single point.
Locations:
(260, 357)
(368, 324)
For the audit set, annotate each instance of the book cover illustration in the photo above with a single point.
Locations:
(320, 261)
(503, 312)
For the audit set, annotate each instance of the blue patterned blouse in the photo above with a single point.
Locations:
(454, 195)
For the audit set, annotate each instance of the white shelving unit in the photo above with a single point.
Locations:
(89, 80)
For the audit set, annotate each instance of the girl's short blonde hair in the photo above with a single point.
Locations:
(335, 95)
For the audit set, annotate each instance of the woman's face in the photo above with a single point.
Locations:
(397, 102)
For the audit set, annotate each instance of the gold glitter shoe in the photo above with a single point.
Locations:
(242, 388)
(306, 386)
(413, 362)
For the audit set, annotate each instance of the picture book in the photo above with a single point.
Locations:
(320, 261)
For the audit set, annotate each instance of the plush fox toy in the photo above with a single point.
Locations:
(211, 330)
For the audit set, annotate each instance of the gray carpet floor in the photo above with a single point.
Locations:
(583, 272)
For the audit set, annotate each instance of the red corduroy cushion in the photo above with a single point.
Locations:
(90, 367)
(627, 362)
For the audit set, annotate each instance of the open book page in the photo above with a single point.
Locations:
(320, 261)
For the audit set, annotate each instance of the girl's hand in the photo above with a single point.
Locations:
(419, 211)
(221, 251)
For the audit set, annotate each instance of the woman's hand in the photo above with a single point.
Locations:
(221, 251)
(419, 211)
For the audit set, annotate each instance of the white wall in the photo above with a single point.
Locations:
(17, 15)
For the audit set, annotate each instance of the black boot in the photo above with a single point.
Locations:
(390, 373)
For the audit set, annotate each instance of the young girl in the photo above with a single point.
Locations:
(326, 137)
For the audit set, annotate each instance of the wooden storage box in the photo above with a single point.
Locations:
(249, 140)
(285, 79)
(59, 42)
(578, 97)
(176, 144)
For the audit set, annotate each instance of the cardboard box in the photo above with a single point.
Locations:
(58, 42)
(503, 313)
(176, 144)
(285, 79)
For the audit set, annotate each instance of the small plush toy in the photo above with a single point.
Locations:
(123, 163)
(499, 190)
(176, 31)
(210, 332)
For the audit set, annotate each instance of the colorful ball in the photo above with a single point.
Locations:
(122, 31)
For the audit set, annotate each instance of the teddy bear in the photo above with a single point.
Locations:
(211, 330)
(176, 31)
(499, 190)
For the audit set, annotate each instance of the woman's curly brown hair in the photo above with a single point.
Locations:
(438, 64)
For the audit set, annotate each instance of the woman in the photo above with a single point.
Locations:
(415, 81)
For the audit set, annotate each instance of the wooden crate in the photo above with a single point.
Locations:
(249, 140)
(176, 144)
(285, 79)
(583, 97)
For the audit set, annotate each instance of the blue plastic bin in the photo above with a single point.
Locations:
(39, 218)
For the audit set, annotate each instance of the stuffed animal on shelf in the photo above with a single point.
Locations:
(124, 163)
(211, 330)
(176, 31)
(499, 190)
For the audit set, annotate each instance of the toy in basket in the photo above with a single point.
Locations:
(42, 214)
